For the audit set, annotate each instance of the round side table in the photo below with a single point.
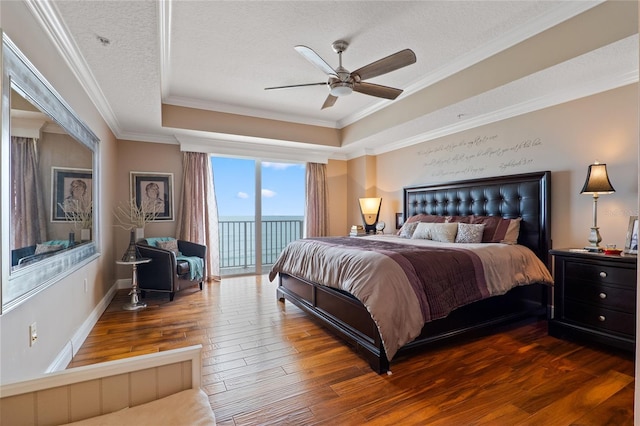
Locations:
(135, 303)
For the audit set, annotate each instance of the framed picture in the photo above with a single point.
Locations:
(71, 188)
(399, 220)
(154, 191)
(631, 244)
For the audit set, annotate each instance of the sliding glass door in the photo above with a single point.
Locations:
(254, 195)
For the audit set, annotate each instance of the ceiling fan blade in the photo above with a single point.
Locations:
(329, 101)
(377, 90)
(315, 59)
(390, 63)
(296, 85)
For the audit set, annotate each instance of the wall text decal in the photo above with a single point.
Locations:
(483, 153)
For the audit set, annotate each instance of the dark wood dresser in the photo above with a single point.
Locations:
(594, 298)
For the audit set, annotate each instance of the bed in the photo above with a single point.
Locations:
(158, 388)
(330, 295)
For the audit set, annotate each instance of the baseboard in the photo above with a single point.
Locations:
(64, 357)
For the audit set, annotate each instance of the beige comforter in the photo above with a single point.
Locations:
(392, 280)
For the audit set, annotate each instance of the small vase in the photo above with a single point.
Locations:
(132, 254)
(85, 234)
(139, 234)
(72, 239)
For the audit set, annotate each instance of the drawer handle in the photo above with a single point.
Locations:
(603, 295)
(601, 318)
(603, 274)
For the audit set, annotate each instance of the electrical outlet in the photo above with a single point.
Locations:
(33, 334)
(86, 286)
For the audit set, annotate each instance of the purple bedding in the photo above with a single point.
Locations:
(405, 283)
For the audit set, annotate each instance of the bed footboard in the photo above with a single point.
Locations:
(341, 313)
(83, 392)
(347, 317)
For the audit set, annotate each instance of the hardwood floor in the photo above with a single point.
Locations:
(268, 363)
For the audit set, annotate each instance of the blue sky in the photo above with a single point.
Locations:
(282, 187)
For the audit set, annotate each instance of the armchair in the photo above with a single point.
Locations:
(171, 268)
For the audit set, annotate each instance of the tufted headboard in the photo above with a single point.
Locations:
(526, 195)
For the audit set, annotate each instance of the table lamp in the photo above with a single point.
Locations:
(597, 183)
(370, 209)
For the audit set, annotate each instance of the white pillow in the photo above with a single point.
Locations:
(443, 232)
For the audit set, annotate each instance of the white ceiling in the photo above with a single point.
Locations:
(220, 55)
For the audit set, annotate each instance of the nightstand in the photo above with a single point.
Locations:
(594, 298)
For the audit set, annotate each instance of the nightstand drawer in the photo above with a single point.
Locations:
(599, 273)
(600, 318)
(617, 298)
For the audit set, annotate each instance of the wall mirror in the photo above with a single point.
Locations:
(50, 171)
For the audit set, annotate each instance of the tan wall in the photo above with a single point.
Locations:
(145, 157)
(61, 309)
(564, 139)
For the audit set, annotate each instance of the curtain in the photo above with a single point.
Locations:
(198, 218)
(28, 221)
(316, 215)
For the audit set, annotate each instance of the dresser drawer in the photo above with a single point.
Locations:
(600, 318)
(606, 274)
(617, 298)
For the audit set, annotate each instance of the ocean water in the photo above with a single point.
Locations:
(237, 238)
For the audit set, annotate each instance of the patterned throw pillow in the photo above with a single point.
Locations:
(407, 229)
(468, 233)
(171, 245)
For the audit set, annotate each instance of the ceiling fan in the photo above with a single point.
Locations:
(342, 82)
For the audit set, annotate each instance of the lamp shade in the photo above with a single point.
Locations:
(370, 208)
(597, 181)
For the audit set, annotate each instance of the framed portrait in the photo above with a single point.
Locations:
(154, 191)
(70, 187)
(631, 243)
(399, 220)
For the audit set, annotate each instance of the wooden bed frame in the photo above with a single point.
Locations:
(525, 195)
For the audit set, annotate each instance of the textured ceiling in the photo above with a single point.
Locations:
(220, 55)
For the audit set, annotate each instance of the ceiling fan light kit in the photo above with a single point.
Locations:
(341, 82)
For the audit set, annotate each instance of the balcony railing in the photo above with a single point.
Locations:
(237, 242)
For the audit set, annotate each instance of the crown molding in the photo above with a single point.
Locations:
(47, 15)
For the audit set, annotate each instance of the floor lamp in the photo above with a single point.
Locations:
(597, 183)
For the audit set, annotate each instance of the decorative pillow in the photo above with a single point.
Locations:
(171, 245)
(428, 218)
(469, 233)
(443, 232)
(47, 248)
(498, 230)
(407, 229)
(422, 231)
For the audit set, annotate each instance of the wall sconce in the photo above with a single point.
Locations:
(597, 183)
(370, 209)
